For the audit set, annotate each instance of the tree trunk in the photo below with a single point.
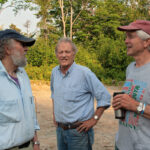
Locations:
(63, 16)
(71, 23)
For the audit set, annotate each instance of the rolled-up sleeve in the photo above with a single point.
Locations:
(98, 90)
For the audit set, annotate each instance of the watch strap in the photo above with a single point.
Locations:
(143, 109)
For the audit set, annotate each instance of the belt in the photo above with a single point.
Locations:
(24, 145)
(21, 146)
(69, 125)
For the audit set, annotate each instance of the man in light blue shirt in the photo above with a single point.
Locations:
(74, 88)
(18, 122)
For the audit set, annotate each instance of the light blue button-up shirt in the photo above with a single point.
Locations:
(17, 111)
(74, 93)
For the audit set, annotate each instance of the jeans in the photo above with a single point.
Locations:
(73, 140)
(116, 148)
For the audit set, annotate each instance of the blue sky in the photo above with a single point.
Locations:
(7, 17)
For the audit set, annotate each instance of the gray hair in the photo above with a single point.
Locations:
(3, 43)
(66, 40)
(143, 36)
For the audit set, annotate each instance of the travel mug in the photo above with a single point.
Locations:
(119, 113)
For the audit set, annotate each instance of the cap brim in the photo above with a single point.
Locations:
(128, 28)
(26, 41)
(9, 33)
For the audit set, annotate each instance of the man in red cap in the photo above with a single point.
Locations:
(134, 133)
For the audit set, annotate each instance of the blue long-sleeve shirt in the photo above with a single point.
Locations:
(17, 111)
(74, 93)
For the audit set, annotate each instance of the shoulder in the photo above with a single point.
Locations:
(84, 72)
(81, 68)
(131, 65)
(55, 69)
(22, 71)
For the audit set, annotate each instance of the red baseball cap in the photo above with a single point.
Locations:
(137, 25)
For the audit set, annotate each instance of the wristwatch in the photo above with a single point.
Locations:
(96, 117)
(140, 108)
(36, 143)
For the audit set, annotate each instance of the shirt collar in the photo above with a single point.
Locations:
(70, 69)
(3, 69)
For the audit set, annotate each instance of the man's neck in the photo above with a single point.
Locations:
(65, 69)
(142, 59)
(10, 68)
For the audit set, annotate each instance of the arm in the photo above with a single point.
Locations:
(52, 91)
(54, 121)
(96, 88)
(36, 144)
(128, 103)
(86, 125)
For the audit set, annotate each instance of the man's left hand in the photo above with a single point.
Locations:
(86, 125)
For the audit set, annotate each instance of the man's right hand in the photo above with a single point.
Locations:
(54, 121)
(124, 101)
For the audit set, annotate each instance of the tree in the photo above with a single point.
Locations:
(72, 12)
(139, 9)
(92, 24)
(27, 26)
(15, 4)
(12, 26)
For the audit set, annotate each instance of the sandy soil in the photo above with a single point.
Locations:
(104, 130)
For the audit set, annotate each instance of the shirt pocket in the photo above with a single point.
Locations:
(72, 96)
(9, 111)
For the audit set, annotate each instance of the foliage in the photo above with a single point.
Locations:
(12, 26)
(42, 53)
(39, 73)
(85, 58)
(100, 45)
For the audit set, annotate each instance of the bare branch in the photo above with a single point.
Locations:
(83, 6)
(63, 17)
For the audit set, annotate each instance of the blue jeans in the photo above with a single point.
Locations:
(73, 140)
(116, 148)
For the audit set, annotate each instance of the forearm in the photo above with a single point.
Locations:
(36, 143)
(55, 123)
(53, 106)
(35, 138)
(146, 113)
(129, 103)
(133, 107)
(99, 111)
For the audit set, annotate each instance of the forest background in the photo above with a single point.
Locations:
(91, 24)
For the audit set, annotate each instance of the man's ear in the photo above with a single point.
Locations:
(7, 50)
(147, 43)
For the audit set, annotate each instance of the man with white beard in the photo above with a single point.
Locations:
(18, 122)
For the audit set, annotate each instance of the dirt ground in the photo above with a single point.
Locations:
(104, 130)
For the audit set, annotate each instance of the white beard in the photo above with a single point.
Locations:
(18, 60)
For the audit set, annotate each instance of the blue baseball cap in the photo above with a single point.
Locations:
(12, 34)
